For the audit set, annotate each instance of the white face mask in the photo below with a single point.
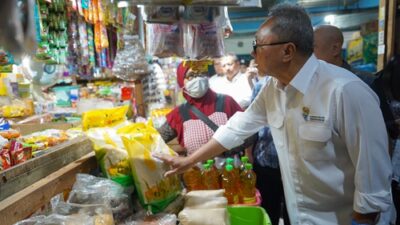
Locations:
(197, 87)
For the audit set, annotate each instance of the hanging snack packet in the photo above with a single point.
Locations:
(154, 190)
(160, 14)
(164, 40)
(204, 41)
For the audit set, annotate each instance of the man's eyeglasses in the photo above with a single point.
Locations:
(255, 45)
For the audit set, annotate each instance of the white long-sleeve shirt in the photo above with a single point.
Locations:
(238, 88)
(331, 142)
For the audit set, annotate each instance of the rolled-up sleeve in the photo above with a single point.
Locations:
(243, 124)
(361, 123)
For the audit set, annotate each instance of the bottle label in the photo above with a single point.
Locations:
(235, 199)
(247, 200)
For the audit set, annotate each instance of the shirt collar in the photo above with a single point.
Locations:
(302, 79)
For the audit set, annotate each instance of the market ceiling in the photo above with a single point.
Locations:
(346, 14)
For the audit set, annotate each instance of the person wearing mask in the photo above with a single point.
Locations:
(233, 83)
(192, 132)
(328, 41)
(326, 124)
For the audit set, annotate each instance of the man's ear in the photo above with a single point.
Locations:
(336, 49)
(288, 52)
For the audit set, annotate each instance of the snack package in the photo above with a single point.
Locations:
(10, 134)
(104, 117)
(200, 14)
(205, 40)
(160, 14)
(154, 190)
(19, 153)
(43, 139)
(164, 40)
(5, 159)
(111, 155)
(89, 189)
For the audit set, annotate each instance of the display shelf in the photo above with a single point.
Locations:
(24, 203)
(25, 174)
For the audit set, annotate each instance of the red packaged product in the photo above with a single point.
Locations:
(5, 160)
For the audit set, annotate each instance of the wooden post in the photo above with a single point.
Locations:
(386, 31)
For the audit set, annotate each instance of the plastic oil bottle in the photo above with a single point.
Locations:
(229, 183)
(192, 179)
(248, 184)
(244, 160)
(210, 178)
(215, 171)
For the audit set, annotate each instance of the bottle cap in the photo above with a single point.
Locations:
(210, 161)
(229, 167)
(245, 159)
(229, 161)
(206, 166)
(249, 166)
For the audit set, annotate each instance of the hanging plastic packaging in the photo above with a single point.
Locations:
(130, 63)
(204, 41)
(164, 40)
(160, 14)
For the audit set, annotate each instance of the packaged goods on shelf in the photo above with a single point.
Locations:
(154, 190)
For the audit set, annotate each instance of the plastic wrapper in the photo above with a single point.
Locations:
(44, 139)
(94, 190)
(204, 41)
(200, 14)
(104, 117)
(130, 63)
(157, 219)
(5, 159)
(205, 208)
(9, 134)
(96, 214)
(164, 40)
(154, 190)
(111, 155)
(160, 14)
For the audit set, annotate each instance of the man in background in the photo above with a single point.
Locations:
(328, 41)
(233, 83)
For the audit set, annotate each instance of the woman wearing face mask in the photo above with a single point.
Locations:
(191, 131)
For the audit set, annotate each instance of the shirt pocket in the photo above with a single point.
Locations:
(275, 120)
(315, 141)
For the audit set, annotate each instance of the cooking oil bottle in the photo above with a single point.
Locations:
(210, 178)
(248, 184)
(192, 179)
(230, 184)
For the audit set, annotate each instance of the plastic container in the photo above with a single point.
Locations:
(246, 215)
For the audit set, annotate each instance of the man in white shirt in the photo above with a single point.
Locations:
(233, 83)
(326, 124)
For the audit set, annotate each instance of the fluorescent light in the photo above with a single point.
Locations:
(330, 19)
(123, 4)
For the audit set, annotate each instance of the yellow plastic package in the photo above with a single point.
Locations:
(111, 154)
(154, 190)
(104, 117)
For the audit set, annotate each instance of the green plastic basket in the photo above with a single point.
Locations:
(248, 215)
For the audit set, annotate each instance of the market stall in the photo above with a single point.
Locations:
(88, 99)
